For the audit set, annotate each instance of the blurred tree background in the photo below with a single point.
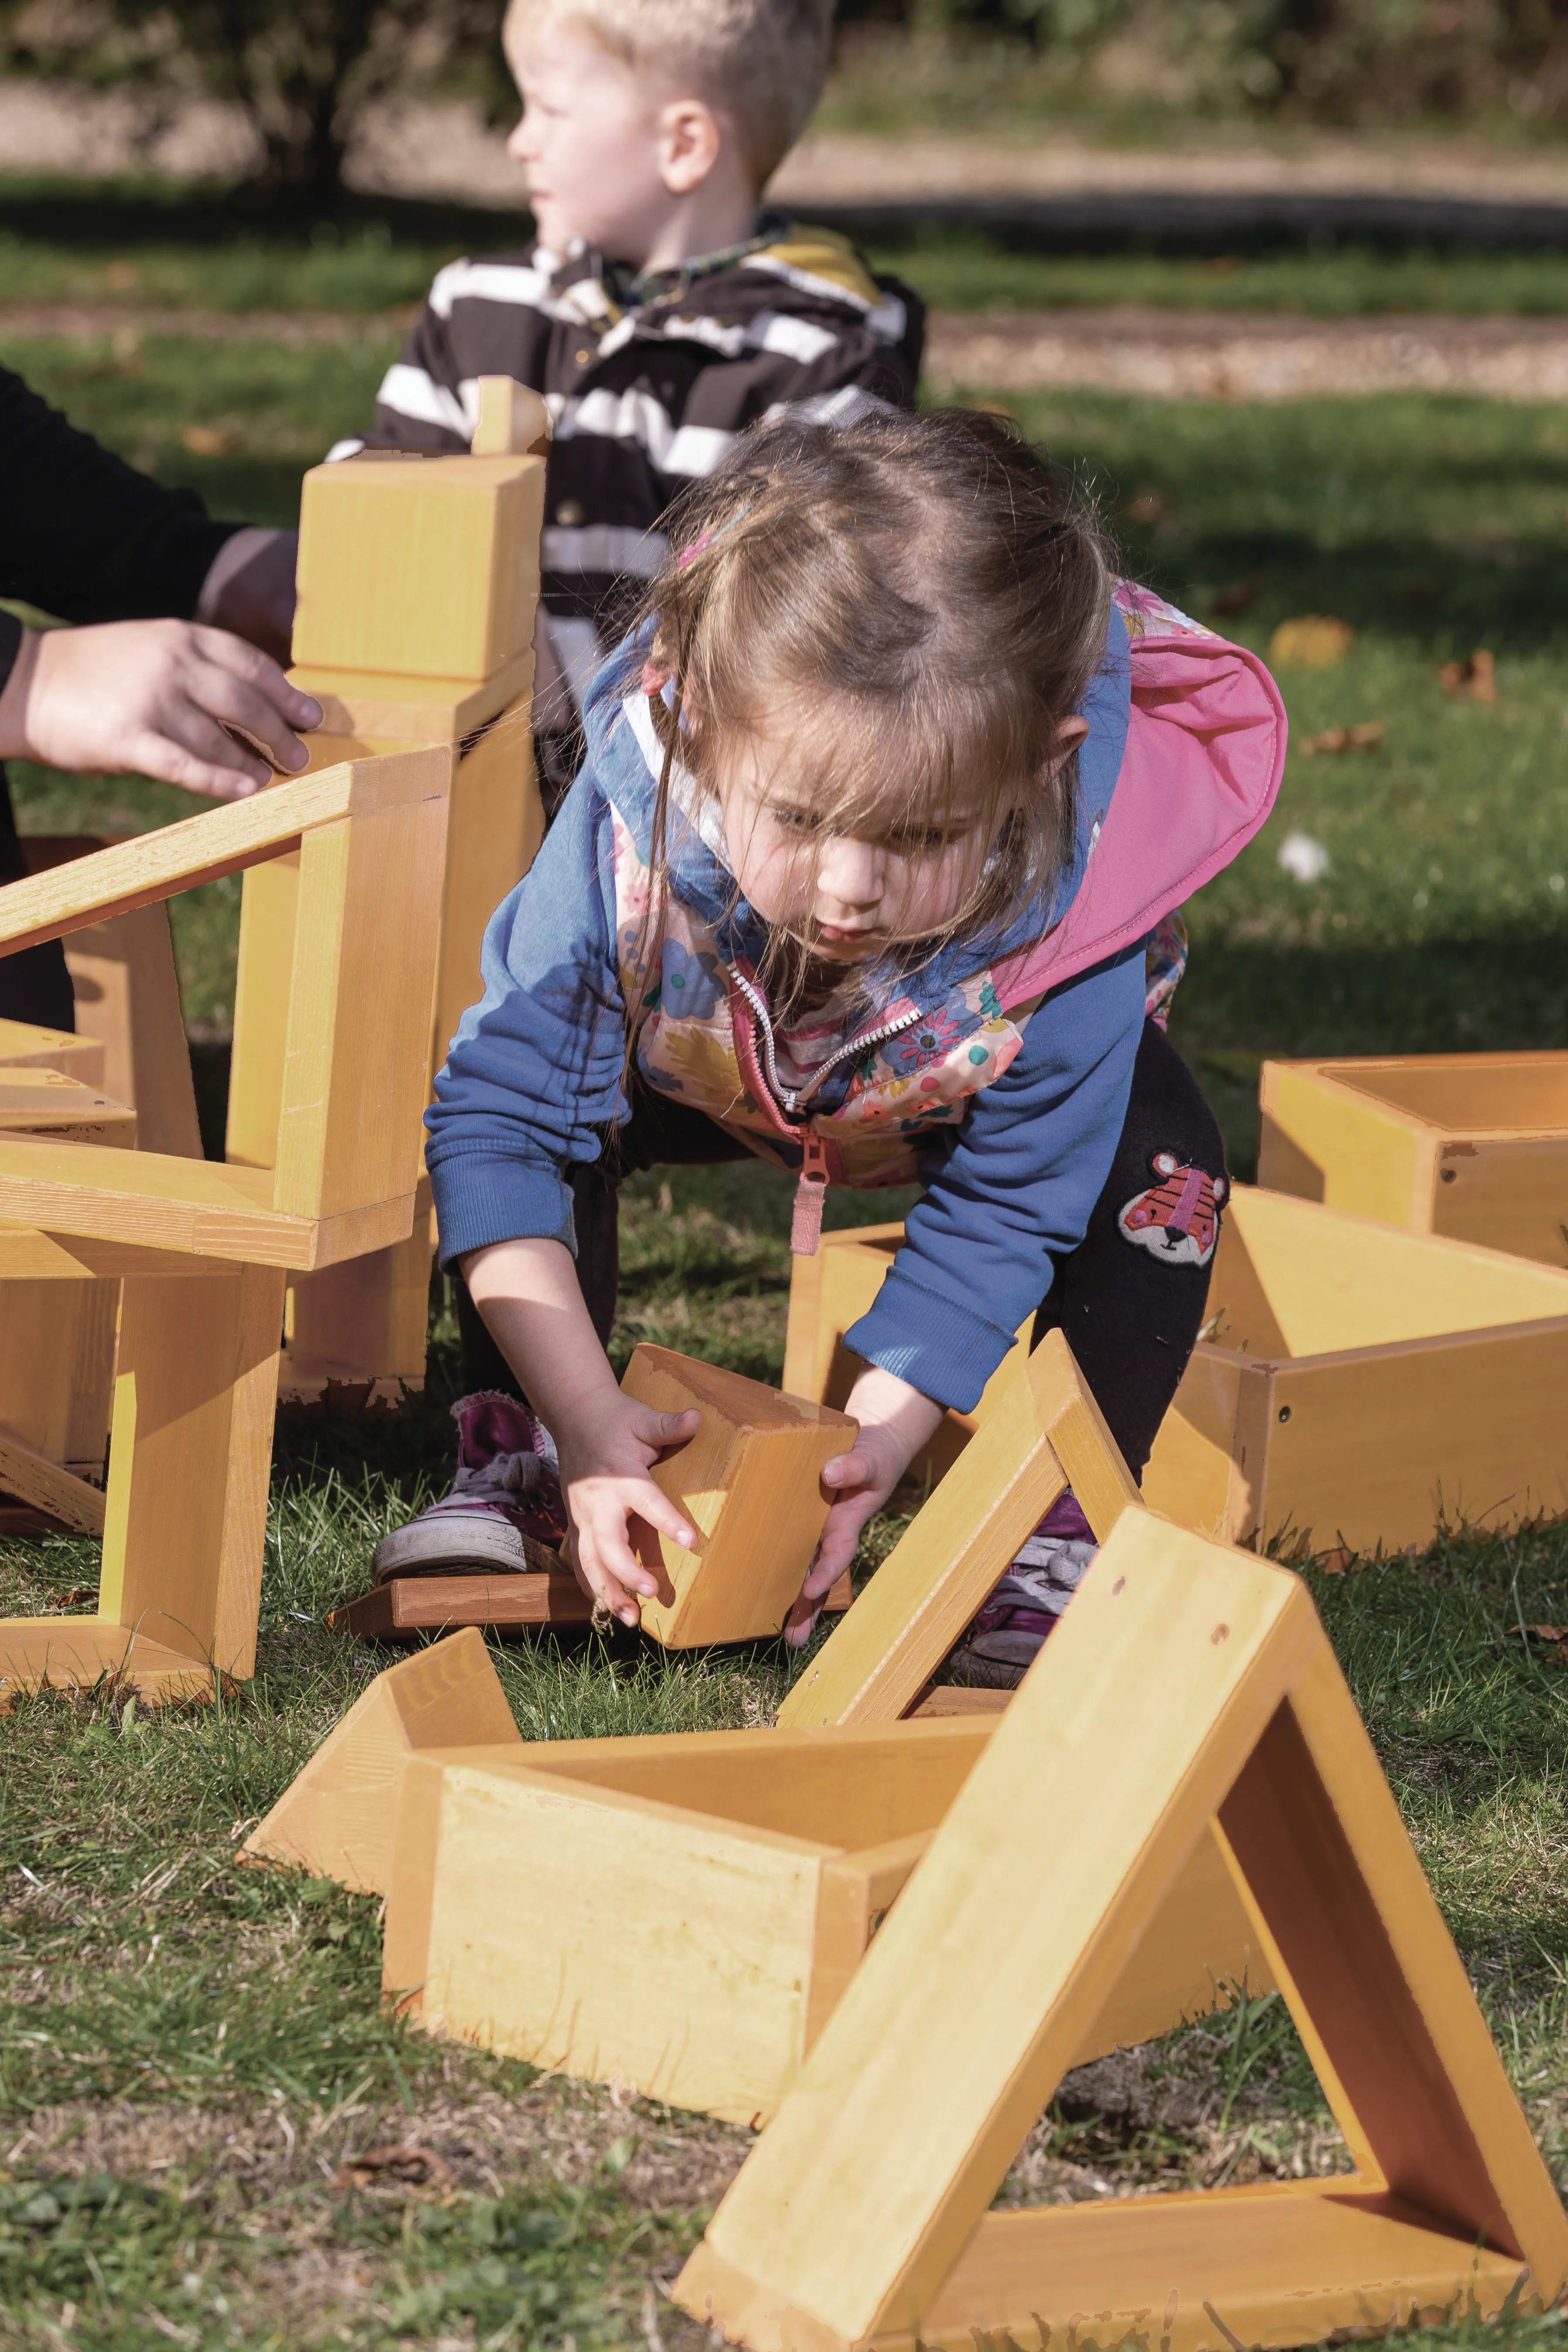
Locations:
(303, 72)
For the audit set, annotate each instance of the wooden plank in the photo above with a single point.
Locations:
(408, 1605)
(369, 712)
(373, 539)
(1306, 1126)
(204, 848)
(194, 1394)
(360, 1327)
(514, 420)
(336, 1818)
(127, 993)
(25, 1046)
(917, 1605)
(36, 1479)
(494, 828)
(57, 1366)
(45, 1102)
(750, 1483)
(356, 1058)
(852, 2209)
(1371, 2265)
(181, 1204)
(75, 1652)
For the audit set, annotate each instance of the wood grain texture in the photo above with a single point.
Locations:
(860, 2218)
(337, 1818)
(195, 1395)
(925, 1592)
(375, 539)
(35, 1478)
(1363, 1385)
(749, 1482)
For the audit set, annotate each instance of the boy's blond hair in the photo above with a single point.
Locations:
(764, 61)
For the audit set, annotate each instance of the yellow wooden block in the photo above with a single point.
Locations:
(375, 541)
(368, 711)
(46, 1102)
(1189, 1692)
(1474, 1146)
(752, 1869)
(24, 1046)
(832, 1289)
(749, 1482)
(1044, 1433)
(1360, 1385)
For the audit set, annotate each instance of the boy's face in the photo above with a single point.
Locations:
(589, 141)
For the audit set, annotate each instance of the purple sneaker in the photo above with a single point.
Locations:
(1009, 1632)
(504, 1510)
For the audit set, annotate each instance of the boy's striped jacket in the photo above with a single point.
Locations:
(648, 387)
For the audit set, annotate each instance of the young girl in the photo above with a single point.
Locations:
(872, 869)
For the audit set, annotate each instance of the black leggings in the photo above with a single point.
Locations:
(1131, 1317)
(34, 982)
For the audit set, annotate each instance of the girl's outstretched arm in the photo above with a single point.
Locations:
(527, 1292)
(895, 1422)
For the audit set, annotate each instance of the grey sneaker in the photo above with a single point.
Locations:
(1013, 1627)
(505, 1509)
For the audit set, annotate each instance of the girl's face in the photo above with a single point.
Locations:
(847, 898)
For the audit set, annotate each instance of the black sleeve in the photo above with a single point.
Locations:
(83, 535)
(10, 645)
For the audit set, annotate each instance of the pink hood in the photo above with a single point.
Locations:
(1205, 750)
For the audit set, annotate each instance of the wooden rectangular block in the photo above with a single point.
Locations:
(373, 539)
(46, 1102)
(25, 1046)
(1361, 1385)
(831, 1290)
(407, 1607)
(750, 1483)
(1474, 1146)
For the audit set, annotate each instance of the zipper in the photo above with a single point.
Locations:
(792, 1100)
(817, 1156)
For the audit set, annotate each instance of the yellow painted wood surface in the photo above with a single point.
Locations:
(24, 1045)
(914, 1609)
(76, 1653)
(45, 1102)
(514, 420)
(372, 711)
(496, 824)
(860, 2216)
(34, 1478)
(831, 1290)
(359, 1328)
(1363, 1385)
(749, 1482)
(1474, 1146)
(373, 536)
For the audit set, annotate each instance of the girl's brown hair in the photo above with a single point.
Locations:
(925, 598)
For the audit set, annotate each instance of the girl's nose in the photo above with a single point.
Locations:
(849, 877)
(519, 146)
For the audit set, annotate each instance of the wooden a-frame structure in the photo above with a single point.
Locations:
(1190, 1690)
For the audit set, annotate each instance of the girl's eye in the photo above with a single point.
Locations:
(924, 843)
(796, 820)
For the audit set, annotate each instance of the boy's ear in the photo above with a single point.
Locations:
(690, 140)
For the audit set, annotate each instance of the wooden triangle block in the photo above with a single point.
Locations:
(1188, 1685)
(338, 1818)
(1043, 1433)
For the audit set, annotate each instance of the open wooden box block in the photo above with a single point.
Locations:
(1471, 1144)
(1360, 1386)
(747, 1871)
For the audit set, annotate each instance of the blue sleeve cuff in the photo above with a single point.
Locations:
(480, 1201)
(945, 1350)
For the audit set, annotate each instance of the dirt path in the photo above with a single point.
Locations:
(1156, 354)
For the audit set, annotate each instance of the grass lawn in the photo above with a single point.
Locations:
(188, 2053)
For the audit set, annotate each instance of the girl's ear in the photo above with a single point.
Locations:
(1069, 735)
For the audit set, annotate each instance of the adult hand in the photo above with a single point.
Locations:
(154, 698)
(606, 1448)
(894, 1421)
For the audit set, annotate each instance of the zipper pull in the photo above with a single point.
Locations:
(806, 1226)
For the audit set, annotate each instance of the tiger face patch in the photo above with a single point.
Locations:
(1176, 1220)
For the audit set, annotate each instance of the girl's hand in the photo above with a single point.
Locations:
(894, 1421)
(606, 1449)
(154, 698)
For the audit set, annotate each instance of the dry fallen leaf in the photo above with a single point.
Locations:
(1477, 677)
(1312, 641)
(414, 2166)
(207, 441)
(73, 1598)
(1364, 737)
